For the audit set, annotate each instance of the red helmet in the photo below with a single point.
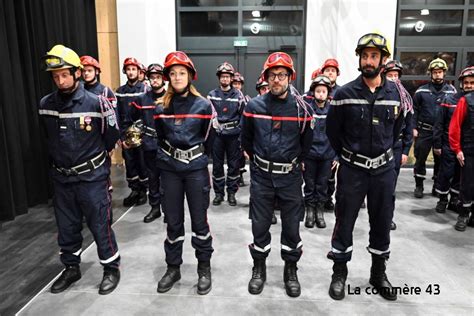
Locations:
(130, 61)
(178, 58)
(315, 73)
(90, 61)
(260, 83)
(142, 68)
(225, 68)
(154, 69)
(331, 62)
(279, 59)
(238, 78)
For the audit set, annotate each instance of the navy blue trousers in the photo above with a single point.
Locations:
(154, 189)
(135, 168)
(226, 147)
(316, 177)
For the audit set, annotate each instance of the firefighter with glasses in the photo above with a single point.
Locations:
(427, 101)
(81, 129)
(363, 123)
(277, 135)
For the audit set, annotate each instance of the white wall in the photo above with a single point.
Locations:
(334, 26)
(146, 30)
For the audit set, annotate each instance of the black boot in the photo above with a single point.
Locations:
(463, 219)
(154, 213)
(320, 222)
(241, 182)
(218, 199)
(204, 284)
(453, 203)
(393, 226)
(329, 205)
(172, 275)
(142, 198)
(337, 289)
(259, 276)
(470, 222)
(309, 222)
(418, 193)
(274, 218)
(379, 280)
(110, 280)
(68, 277)
(442, 203)
(231, 199)
(290, 277)
(131, 199)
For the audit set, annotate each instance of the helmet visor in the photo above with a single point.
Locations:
(178, 56)
(53, 62)
(283, 56)
(376, 39)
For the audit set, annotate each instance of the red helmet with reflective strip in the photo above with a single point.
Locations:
(393, 65)
(331, 62)
(130, 61)
(178, 58)
(90, 61)
(315, 73)
(142, 68)
(279, 59)
(225, 68)
(238, 78)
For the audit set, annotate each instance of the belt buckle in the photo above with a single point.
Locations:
(369, 163)
(286, 168)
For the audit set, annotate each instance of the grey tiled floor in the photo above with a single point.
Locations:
(425, 250)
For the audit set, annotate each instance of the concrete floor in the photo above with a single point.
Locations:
(425, 250)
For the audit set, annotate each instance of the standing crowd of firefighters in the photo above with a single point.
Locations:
(298, 147)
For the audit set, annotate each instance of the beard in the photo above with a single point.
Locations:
(437, 80)
(278, 90)
(370, 72)
(225, 85)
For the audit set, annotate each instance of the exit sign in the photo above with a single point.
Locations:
(240, 43)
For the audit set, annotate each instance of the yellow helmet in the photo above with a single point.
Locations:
(373, 40)
(61, 57)
(438, 63)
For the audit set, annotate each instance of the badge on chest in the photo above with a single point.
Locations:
(178, 121)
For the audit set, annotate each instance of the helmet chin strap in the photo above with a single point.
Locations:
(185, 90)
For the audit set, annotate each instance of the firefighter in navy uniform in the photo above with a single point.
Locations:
(143, 110)
(321, 158)
(314, 74)
(393, 71)
(183, 121)
(229, 104)
(136, 171)
(461, 140)
(330, 69)
(449, 173)
(237, 83)
(81, 129)
(90, 75)
(427, 101)
(363, 123)
(277, 135)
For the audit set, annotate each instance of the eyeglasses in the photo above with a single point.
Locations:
(281, 76)
(376, 39)
(275, 56)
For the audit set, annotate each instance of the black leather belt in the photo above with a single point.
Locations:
(87, 166)
(182, 155)
(273, 167)
(425, 126)
(367, 162)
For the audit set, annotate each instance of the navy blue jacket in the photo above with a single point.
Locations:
(276, 129)
(427, 101)
(229, 106)
(363, 122)
(443, 118)
(321, 147)
(126, 94)
(405, 138)
(184, 124)
(70, 142)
